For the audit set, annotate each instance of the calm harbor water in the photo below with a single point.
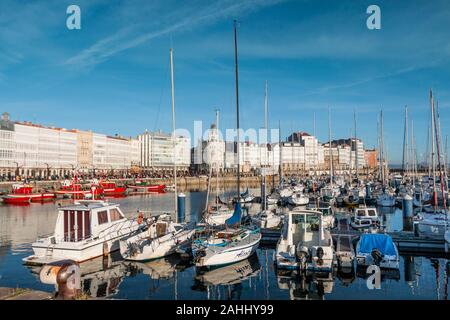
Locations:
(419, 277)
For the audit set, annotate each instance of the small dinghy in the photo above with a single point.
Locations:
(377, 249)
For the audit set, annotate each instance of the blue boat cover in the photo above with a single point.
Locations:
(236, 217)
(382, 242)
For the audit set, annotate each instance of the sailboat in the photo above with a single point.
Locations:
(434, 224)
(219, 212)
(162, 236)
(236, 242)
(385, 199)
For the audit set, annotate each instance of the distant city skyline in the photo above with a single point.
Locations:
(112, 75)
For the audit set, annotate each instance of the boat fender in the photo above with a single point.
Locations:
(140, 218)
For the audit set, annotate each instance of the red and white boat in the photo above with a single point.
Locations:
(148, 188)
(111, 189)
(23, 194)
(72, 189)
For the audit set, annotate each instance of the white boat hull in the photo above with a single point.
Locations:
(229, 255)
(153, 248)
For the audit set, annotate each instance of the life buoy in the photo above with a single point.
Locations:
(140, 218)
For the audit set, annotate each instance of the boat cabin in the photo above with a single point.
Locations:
(304, 226)
(21, 189)
(86, 219)
(366, 214)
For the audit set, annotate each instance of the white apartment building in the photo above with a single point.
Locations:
(157, 151)
(28, 149)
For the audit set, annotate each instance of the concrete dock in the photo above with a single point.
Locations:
(23, 294)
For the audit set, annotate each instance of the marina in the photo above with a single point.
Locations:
(423, 274)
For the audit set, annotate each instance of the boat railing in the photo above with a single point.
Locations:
(118, 227)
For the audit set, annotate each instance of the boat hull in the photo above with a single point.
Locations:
(228, 256)
(114, 191)
(155, 248)
(43, 197)
(17, 199)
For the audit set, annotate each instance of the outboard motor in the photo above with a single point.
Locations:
(319, 254)
(377, 256)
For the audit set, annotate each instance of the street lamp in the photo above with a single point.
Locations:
(17, 168)
(48, 170)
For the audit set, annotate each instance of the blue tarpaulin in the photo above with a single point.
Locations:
(236, 217)
(382, 242)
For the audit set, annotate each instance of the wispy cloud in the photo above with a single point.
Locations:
(126, 38)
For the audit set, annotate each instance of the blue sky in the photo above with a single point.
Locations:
(112, 76)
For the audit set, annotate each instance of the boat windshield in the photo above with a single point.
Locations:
(306, 219)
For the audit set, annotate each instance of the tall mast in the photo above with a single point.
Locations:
(329, 146)
(237, 111)
(266, 124)
(356, 145)
(266, 106)
(173, 132)
(217, 157)
(280, 151)
(382, 148)
(405, 146)
(413, 154)
(433, 164)
(438, 144)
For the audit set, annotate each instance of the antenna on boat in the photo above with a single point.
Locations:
(173, 132)
(237, 110)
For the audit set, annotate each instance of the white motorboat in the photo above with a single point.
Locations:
(328, 217)
(377, 249)
(83, 231)
(364, 218)
(227, 246)
(162, 237)
(267, 219)
(386, 200)
(433, 225)
(298, 199)
(305, 243)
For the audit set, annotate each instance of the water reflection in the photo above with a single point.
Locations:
(99, 277)
(305, 287)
